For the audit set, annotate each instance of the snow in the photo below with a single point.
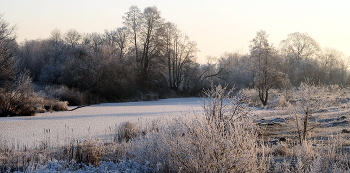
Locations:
(90, 121)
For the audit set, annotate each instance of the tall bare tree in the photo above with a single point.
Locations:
(151, 40)
(133, 20)
(148, 37)
(7, 46)
(265, 66)
(180, 52)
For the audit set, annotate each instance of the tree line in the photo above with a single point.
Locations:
(149, 58)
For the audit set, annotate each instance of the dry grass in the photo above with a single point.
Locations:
(89, 152)
(189, 144)
(127, 131)
(193, 145)
(280, 150)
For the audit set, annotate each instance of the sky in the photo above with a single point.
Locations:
(218, 27)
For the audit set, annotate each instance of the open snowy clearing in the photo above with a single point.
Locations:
(90, 121)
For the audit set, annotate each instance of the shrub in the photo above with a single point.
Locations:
(221, 140)
(148, 96)
(89, 152)
(18, 99)
(73, 96)
(308, 102)
(23, 101)
(127, 131)
(280, 150)
(63, 93)
(60, 106)
(250, 96)
(278, 98)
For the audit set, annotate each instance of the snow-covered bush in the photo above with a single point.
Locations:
(63, 93)
(127, 131)
(18, 98)
(277, 98)
(224, 139)
(334, 88)
(250, 96)
(60, 106)
(308, 100)
(89, 152)
(22, 100)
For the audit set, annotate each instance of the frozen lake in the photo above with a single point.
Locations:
(90, 121)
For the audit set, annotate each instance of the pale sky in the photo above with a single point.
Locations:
(217, 26)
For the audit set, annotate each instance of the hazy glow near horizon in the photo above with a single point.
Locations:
(217, 26)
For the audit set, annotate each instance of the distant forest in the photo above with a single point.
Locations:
(149, 58)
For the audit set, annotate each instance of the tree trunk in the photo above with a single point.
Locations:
(263, 96)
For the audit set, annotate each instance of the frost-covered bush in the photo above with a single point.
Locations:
(60, 106)
(89, 152)
(63, 93)
(223, 139)
(334, 88)
(309, 99)
(193, 145)
(250, 96)
(277, 98)
(222, 109)
(127, 131)
(307, 157)
(21, 99)
(18, 98)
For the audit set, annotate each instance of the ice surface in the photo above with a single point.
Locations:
(90, 121)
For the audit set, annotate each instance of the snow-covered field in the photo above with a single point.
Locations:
(90, 121)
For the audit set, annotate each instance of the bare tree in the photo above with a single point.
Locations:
(7, 46)
(179, 51)
(236, 74)
(118, 38)
(169, 29)
(151, 40)
(56, 36)
(265, 66)
(33, 55)
(72, 37)
(333, 68)
(300, 50)
(133, 20)
(94, 41)
(300, 46)
(308, 102)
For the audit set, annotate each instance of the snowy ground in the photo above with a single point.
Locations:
(91, 121)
